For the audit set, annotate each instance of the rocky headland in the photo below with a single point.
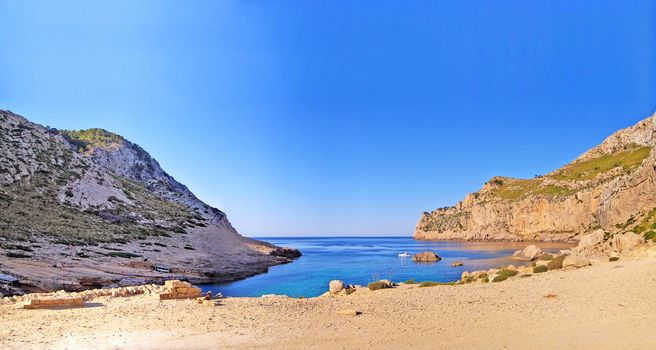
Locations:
(89, 209)
(606, 198)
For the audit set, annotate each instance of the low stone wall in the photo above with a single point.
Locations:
(179, 290)
(51, 302)
(171, 290)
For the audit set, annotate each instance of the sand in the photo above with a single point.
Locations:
(605, 306)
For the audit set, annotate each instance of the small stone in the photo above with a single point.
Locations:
(457, 263)
(348, 312)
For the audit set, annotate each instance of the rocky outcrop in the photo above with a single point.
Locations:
(88, 209)
(609, 189)
(286, 252)
(426, 256)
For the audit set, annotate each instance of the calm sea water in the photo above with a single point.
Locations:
(359, 260)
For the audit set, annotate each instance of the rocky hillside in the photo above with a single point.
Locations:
(88, 208)
(611, 188)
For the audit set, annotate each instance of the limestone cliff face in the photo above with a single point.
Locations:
(88, 208)
(611, 187)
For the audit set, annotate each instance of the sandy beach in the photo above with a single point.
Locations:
(604, 306)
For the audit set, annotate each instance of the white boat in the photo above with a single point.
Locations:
(404, 255)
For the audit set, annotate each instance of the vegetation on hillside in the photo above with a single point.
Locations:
(85, 140)
(589, 169)
(515, 189)
(31, 208)
(646, 227)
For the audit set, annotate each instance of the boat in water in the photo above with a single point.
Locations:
(404, 255)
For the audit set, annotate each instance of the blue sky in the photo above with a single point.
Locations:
(335, 117)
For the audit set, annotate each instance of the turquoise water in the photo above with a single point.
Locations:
(359, 260)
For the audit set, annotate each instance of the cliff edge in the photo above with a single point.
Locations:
(610, 188)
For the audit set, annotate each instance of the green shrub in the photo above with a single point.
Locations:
(432, 284)
(500, 278)
(428, 284)
(125, 255)
(540, 269)
(507, 273)
(526, 275)
(650, 235)
(546, 257)
(410, 281)
(17, 255)
(614, 258)
(485, 278)
(556, 263)
(377, 285)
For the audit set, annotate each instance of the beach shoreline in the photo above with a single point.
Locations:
(573, 308)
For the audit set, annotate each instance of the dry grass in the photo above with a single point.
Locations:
(589, 169)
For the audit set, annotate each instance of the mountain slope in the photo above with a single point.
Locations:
(88, 208)
(610, 187)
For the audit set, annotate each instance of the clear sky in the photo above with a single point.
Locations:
(335, 117)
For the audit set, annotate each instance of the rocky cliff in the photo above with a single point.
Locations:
(611, 187)
(88, 208)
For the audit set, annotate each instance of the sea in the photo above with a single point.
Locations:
(361, 260)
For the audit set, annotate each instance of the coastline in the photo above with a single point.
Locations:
(361, 260)
(573, 308)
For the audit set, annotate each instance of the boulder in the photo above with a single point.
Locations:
(541, 262)
(526, 269)
(387, 283)
(426, 256)
(456, 263)
(590, 240)
(556, 263)
(529, 253)
(575, 261)
(382, 284)
(627, 242)
(465, 276)
(336, 286)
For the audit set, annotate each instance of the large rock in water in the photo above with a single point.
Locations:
(426, 256)
(608, 187)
